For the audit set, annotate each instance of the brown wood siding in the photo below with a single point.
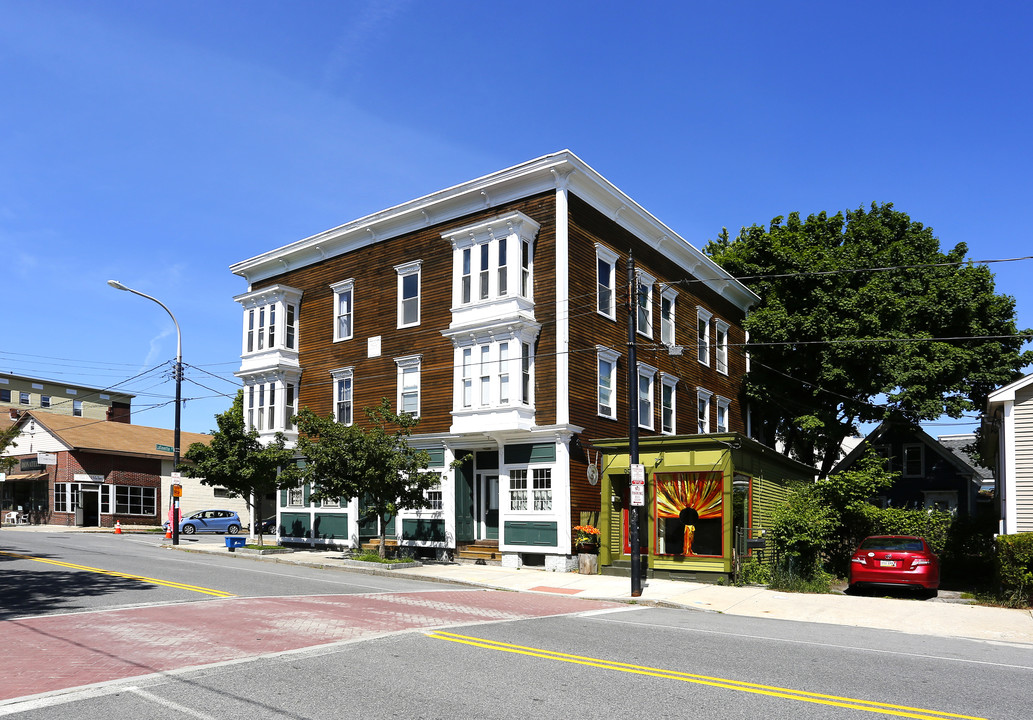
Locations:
(375, 314)
(588, 329)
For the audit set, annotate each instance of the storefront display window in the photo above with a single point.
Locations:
(689, 509)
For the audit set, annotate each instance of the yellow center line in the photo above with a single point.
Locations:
(112, 573)
(770, 690)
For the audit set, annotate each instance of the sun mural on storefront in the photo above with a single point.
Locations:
(689, 510)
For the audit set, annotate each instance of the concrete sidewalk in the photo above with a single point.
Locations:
(944, 619)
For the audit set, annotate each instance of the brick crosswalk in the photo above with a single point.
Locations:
(51, 653)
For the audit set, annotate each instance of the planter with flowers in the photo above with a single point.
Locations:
(586, 544)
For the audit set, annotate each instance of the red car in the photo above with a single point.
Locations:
(896, 560)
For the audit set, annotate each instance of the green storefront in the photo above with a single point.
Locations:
(709, 499)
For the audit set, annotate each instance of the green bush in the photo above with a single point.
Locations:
(1015, 566)
(754, 572)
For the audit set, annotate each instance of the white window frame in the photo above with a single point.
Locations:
(296, 497)
(703, 317)
(703, 410)
(668, 332)
(645, 373)
(344, 379)
(644, 291)
(723, 407)
(668, 411)
(404, 271)
(344, 287)
(721, 346)
(606, 293)
(606, 355)
(518, 490)
(408, 367)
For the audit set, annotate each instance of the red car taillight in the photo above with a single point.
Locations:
(915, 562)
(859, 560)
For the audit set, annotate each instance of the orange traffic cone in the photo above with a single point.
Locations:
(118, 528)
(168, 533)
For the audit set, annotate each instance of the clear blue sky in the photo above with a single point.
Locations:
(158, 142)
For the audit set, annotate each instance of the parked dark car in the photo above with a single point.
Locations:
(895, 560)
(267, 526)
(214, 521)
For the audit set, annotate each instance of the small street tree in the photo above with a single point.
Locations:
(862, 317)
(238, 461)
(7, 436)
(374, 463)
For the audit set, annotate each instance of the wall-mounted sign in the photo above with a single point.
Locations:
(91, 478)
(46, 458)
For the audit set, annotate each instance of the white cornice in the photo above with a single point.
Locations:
(562, 169)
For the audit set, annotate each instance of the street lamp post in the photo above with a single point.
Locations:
(179, 381)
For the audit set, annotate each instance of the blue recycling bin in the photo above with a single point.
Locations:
(233, 542)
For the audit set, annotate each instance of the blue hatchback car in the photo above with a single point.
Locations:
(213, 521)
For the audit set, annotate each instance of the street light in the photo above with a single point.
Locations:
(179, 380)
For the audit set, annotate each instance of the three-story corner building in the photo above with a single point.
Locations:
(496, 311)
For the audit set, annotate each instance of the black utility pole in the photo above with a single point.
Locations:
(636, 579)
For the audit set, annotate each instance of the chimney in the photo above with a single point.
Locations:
(14, 413)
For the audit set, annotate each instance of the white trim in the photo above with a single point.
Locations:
(338, 289)
(669, 293)
(407, 363)
(703, 343)
(609, 257)
(562, 380)
(669, 381)
(611, 356)
(703, 395)
(721, 348)
(403, 271)
(345, 373)
(499, 188)
(643, 278)
(646, 371)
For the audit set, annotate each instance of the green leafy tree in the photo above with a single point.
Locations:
(238, 461)
(374, 463)
(861, 318)
(7, 436)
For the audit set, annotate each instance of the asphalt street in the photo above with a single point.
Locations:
(160, 632)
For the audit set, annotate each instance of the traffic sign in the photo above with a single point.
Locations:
(165, 448)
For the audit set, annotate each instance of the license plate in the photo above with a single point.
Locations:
(887, 563)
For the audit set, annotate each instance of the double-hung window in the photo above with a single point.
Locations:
(77, 408)
(344, 309)
(542, 488)
(914, 461)
(667, 302)
(289, 406)
(644, 302)
(492, 260)
(518, 489)
(646, 375)
(703, 410)
(409, 384)
(721, 346)
(344, 388)
(723, 404)
(607, 381)
(703, 335)
(668, 404)
(503, 373)
(409, 293)
(606, 281)
(435, 496)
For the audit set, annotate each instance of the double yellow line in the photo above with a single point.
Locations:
(112, 573)
(902, 711)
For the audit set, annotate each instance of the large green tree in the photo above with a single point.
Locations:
(372, 462)
(863, 317)
(238, 461)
